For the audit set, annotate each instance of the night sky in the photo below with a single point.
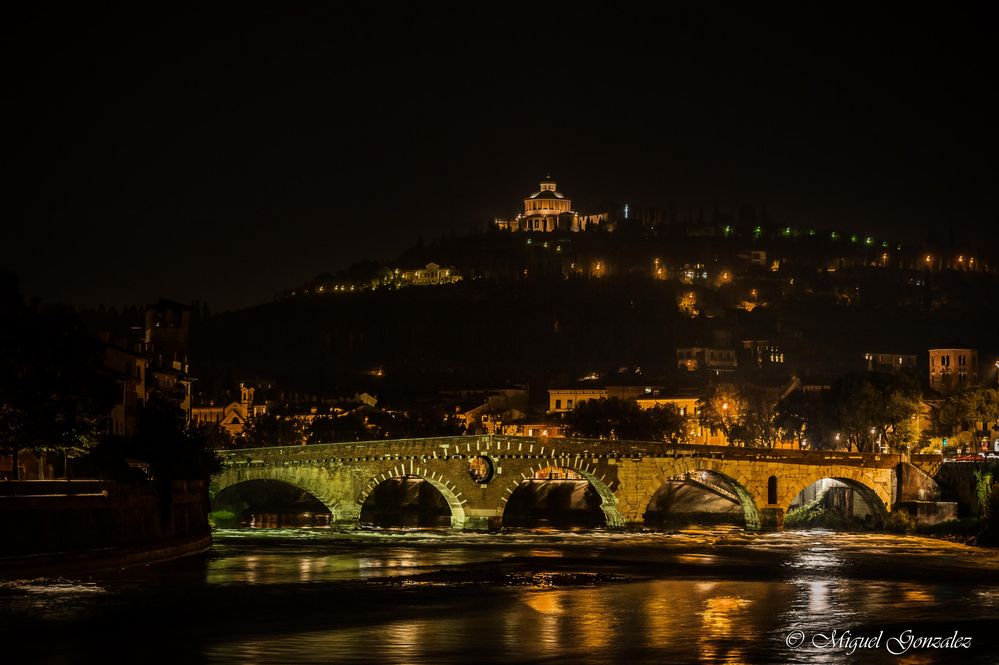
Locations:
(224, 156)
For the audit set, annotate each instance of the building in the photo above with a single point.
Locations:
(167, 330)
(431, 275)
(762, 353)
(548, 210)
(697, 358)
(686, 404)
(129, 370)
(154, 364)
(889, 362)
(232, 417)
(953, 368)
(563, 400)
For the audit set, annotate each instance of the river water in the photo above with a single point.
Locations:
(438, 596)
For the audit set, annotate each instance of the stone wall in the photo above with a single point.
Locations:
(76, 516)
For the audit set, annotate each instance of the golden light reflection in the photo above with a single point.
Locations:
(594, 615)
(545, 602)
(917, 595)
(723, 618)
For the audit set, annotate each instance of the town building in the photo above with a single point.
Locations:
(953, 368)
(564, 400)
(686, 404)
(233, 416)
(696, 358)
(889, 362)
(153, 365)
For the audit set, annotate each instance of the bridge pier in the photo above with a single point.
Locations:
(347, 515)
(481, 519)
(772, 519)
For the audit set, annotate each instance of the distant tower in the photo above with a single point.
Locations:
(246, 397)
(167, 325)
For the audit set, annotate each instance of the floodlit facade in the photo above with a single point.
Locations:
(548, 210)
(953, 369)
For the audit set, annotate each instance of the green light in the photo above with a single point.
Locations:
(834, 235)
(853, 238)
(727, 230)
(868, 240)
(884, 243)
(758, 231)
(811, 232)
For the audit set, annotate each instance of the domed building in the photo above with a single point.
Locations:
(548, 210)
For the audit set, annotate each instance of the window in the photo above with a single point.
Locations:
(960, 360)
(558, 404)
(772, 490)
(568, 404)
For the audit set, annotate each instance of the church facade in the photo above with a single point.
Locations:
(548, 210)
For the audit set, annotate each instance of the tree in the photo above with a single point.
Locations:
(611, 418)
(747, 415)
(272, 430)
(668, 424)
(327, 429)
(968, 410)
(172, 451)
(876, 408)
(807, 418)
(721, 409)
(615, 418)
(54, 396)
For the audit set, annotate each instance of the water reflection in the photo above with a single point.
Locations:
(433, 597)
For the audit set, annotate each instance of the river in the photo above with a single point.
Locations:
(718, 595)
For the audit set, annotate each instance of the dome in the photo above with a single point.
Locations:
(547, 194)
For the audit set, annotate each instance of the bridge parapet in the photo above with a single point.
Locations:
(511, 446)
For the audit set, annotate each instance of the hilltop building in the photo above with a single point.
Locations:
(548, 210)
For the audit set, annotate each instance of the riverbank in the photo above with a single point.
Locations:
(75, 563)
(57, 527)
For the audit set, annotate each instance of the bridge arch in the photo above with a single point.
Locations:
(312, 481)
(608, 500)
(876, 493)
(451, 493)
(683, 468)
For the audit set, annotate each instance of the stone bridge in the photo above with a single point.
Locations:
(478, 474)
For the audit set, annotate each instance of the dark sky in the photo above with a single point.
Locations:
(226, 155)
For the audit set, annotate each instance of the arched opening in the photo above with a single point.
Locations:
(268, 504)
(836, 503)
(701, 497)
(406, 501)
(555, 497)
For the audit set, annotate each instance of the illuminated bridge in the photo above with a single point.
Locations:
(478, 475)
